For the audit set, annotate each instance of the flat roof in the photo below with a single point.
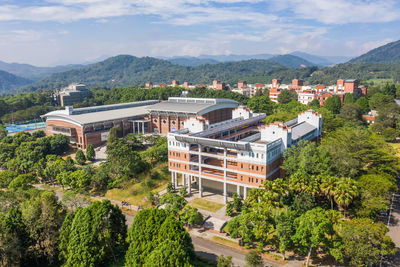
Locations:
(301, 130)
(230, 126)
(101, 116)
(197, 106)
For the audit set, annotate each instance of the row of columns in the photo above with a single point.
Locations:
(187, 180)
(140, 126)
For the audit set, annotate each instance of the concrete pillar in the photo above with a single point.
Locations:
(189, 185)
(172, 178)
(238, 190)
(143, 127)
(176, 180)
(225, 166)
(133, 127)
(225, 193)
(200, 163)
(200, 188)
(244, 192)
(184, 180)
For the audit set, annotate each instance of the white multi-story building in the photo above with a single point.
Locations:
(236, 154)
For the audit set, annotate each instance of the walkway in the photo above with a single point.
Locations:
(393, 223)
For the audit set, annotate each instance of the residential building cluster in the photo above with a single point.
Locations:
(305, 93)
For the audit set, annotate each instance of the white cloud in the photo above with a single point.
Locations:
(343, 11)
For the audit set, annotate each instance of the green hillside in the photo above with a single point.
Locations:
(386, 53)
(360, 71)
(10, 82)
(291, 61)
(34, 73)
(127, 70)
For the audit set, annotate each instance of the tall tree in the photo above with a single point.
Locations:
(261, 104)
(362, 102)
(328, 187)
(95, 236)
(90, 153)
(362, 242)
(346, 190)
(349, 98)
(333, 104)
(285, 96)
(80, 157)
(312, 230)
(351, 113)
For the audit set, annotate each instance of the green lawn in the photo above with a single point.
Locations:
(208, 205)
(225, 242)
(136, 193)
(396, 147)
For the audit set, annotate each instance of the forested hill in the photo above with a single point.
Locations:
(125, 70)
(291, 61)
(9, 82)
(386, 53)
(34, 73)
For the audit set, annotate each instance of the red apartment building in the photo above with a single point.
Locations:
(275, 90)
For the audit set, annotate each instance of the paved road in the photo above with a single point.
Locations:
(394, 230)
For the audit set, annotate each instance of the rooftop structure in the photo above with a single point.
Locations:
(72, 94)
(237, 154)
(170, 115)
(91, 125)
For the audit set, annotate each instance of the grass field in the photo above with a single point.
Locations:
(225, 242)
(136, 193)
(396, 147)
(206, 204)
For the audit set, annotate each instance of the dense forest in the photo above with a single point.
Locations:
(25, 107)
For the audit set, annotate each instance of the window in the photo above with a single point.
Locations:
(256, 181)
(173, 122)
(155, 120)
(164, 121)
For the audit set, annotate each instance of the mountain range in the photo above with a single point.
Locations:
(387, 53)
(126, 70)
(321, 61)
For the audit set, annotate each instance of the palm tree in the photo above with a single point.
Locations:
(328, 186)
(345, 192)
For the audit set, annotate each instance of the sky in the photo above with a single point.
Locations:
(52, 32)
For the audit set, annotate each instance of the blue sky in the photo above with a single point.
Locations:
(50, 32)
